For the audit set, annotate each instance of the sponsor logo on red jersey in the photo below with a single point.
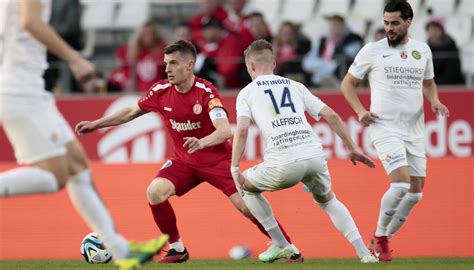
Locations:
(185, 126)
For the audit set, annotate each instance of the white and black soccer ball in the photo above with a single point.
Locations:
(94, 251)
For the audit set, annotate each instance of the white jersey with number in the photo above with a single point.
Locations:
(22, 58)
(277, 106)
(396, 77)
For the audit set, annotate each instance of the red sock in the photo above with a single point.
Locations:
(260, 227)
(165, 219)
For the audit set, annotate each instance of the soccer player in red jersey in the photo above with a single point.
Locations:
(198, 124)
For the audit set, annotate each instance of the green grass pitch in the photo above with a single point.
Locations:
(252, 264)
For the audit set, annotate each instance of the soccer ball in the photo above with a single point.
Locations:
(239, 252)
(93, 250)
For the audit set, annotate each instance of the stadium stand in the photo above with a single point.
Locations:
(440, 7)
(108, 23)
(126, 16)
(297, 11)
(360, 9)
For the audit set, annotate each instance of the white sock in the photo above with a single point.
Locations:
(262, 211)
(178, 246)
(92, 209)
(360, 248)
(403, 210)
(27, 180)
(388, 206)
(343, 221)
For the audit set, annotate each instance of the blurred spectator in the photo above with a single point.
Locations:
(209, 9)
(238, 11)
(255, 28)
(207, 48)
(205, 66)
(290, 46)
(379, 34)
(226, 48)
(65, 19)
(447, 66)
(182, 32)
(329, 61)
(140, 61)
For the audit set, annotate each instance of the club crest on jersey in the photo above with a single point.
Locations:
(403, 55)
(197, 108)
(416, 54)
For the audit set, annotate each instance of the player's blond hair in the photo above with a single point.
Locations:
(260, 50)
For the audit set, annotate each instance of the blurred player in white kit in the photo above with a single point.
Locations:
(40, 136)
(399, 70)
(293, 153)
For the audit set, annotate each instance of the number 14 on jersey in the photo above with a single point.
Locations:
(285, 100)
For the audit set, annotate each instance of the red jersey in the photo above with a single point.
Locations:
(195, 22)
(149, 68)
(187, 115)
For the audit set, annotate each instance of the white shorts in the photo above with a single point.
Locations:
(312, 172)
(394, 152)
(34, 127)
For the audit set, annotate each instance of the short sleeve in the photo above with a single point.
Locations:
(313, 105)
(149, 101)
(242, 107)
(211, 97)
(429, 70)
(362, 63)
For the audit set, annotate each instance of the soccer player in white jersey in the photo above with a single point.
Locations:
(400, 70)
(40, 136)
(293, 152)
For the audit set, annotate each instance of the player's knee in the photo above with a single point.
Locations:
(159, 191)
(61, 175)
(245, 210)
(76, 157)
(321, 199)
(239, 203)
(58, 167)
(246, 199)
(417, 184)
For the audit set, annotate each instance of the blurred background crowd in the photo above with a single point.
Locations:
(315, 40)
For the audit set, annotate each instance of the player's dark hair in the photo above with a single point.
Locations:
(406, 12)
(258, 46)
(182, 46)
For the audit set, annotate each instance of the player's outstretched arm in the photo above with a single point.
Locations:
(31, 20)
(336, 124)
(348, 85)
(238, 147)
(118, 118)
(431, 93)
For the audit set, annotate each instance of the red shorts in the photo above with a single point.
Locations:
(186, 177)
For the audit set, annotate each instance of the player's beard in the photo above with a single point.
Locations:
(395, 42)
